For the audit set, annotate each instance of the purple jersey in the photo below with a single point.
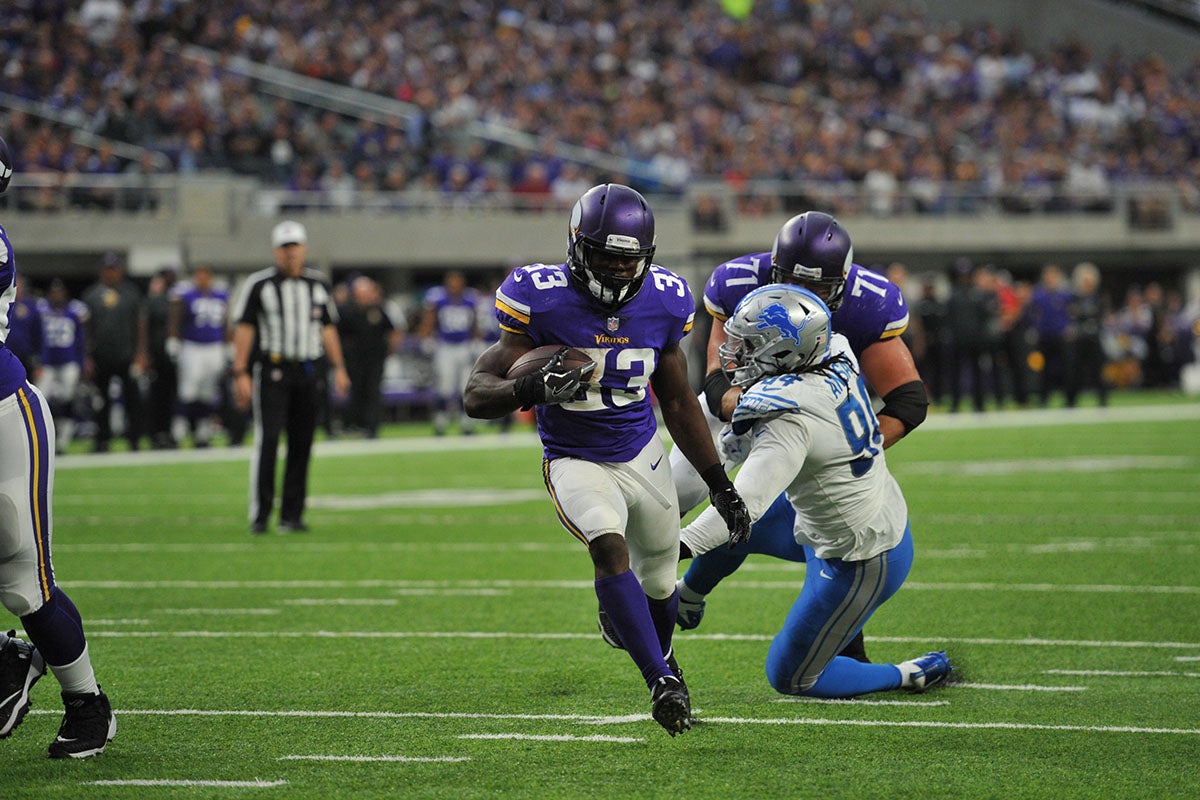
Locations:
(455, 315)
(63, 333)
(203, 315)
(12, 373)
(872, 307)
(616, 420)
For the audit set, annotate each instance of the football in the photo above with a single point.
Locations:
(538, 357)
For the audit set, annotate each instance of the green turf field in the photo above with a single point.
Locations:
(434, 634)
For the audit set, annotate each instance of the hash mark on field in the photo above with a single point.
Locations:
(373, 759)
(219, 612)
(256, 784)
(1187, 658)
(1116, 673)
(557, 737)
(1028, 687)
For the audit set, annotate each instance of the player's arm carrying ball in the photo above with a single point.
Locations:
(513, 374)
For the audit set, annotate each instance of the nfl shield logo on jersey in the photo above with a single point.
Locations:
(613, 324)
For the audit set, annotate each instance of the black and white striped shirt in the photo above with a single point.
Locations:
(287, 314)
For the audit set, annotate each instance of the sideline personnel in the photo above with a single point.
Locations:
(286, 321)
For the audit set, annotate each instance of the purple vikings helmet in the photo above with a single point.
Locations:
(611, 222)
(812, 250)
(776, 329)
(6, 166)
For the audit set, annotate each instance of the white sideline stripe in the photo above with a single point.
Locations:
(700, 637)
(373, 759)
(1117, 673)
(256, 784)
(585, 719)
(1028, 687)
(529, 440)
(559, 737)
(792, 586)
(846, 701)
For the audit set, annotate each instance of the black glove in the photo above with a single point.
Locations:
(553, 383)
(728, 503)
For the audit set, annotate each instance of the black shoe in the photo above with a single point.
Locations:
(607, 632)
(292, 526)
(671, 707)
(856, 649)
(86, 728)
(258, 527)
(20, 667)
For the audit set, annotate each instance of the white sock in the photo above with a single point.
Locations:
(77, 677)
(907, 670)
(687, 595)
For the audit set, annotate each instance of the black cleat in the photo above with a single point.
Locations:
(856, 649)
(258, 527)
(292, 526)
(87, 726)
(671, 707)
(607, 632)
(20, 667)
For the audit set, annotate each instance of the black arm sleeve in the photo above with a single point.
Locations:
(716, 384)
(907, 403)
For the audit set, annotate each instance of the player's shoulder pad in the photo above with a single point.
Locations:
(672, 290)
(528, 290)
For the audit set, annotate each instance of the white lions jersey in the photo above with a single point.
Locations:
(814, 437)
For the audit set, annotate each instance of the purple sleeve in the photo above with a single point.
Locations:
(733, 280)
(873, 309)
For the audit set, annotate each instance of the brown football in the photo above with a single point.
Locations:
(538, 357)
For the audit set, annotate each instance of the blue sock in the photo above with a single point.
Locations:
(663, 612)
(773, 535)
(56, 629)
(622, 598)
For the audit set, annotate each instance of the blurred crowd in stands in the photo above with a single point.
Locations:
(858, 110)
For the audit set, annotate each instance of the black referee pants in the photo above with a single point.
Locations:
(285, 400)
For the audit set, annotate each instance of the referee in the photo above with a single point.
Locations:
(286, 321)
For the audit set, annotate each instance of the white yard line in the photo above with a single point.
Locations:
(693, 637)
(562, 737)
(383, 583)
(1027, 687)
(255, 784)
(1117, 673)
(377, 759)
(593, 720)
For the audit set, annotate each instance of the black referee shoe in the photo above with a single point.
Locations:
(292, 526)
(258, 527)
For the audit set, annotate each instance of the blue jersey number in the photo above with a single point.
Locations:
(861, 428)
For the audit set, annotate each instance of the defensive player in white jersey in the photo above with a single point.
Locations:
(604, 465)
(27, 581)
(814, 251)
(804, 427)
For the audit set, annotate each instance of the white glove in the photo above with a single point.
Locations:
(735, 448)
(172, 348)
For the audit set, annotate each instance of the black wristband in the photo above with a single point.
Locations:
(715, 478)
(529, 390)
(716, 384)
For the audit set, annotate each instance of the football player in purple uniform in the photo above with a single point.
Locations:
(604, 465)
(813, 251)
(27, 586)
(198, 326)
(64, 351)
(448, 324)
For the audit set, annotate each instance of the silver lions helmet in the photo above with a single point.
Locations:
(775, 330)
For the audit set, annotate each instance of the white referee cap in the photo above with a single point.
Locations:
(288, 232)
